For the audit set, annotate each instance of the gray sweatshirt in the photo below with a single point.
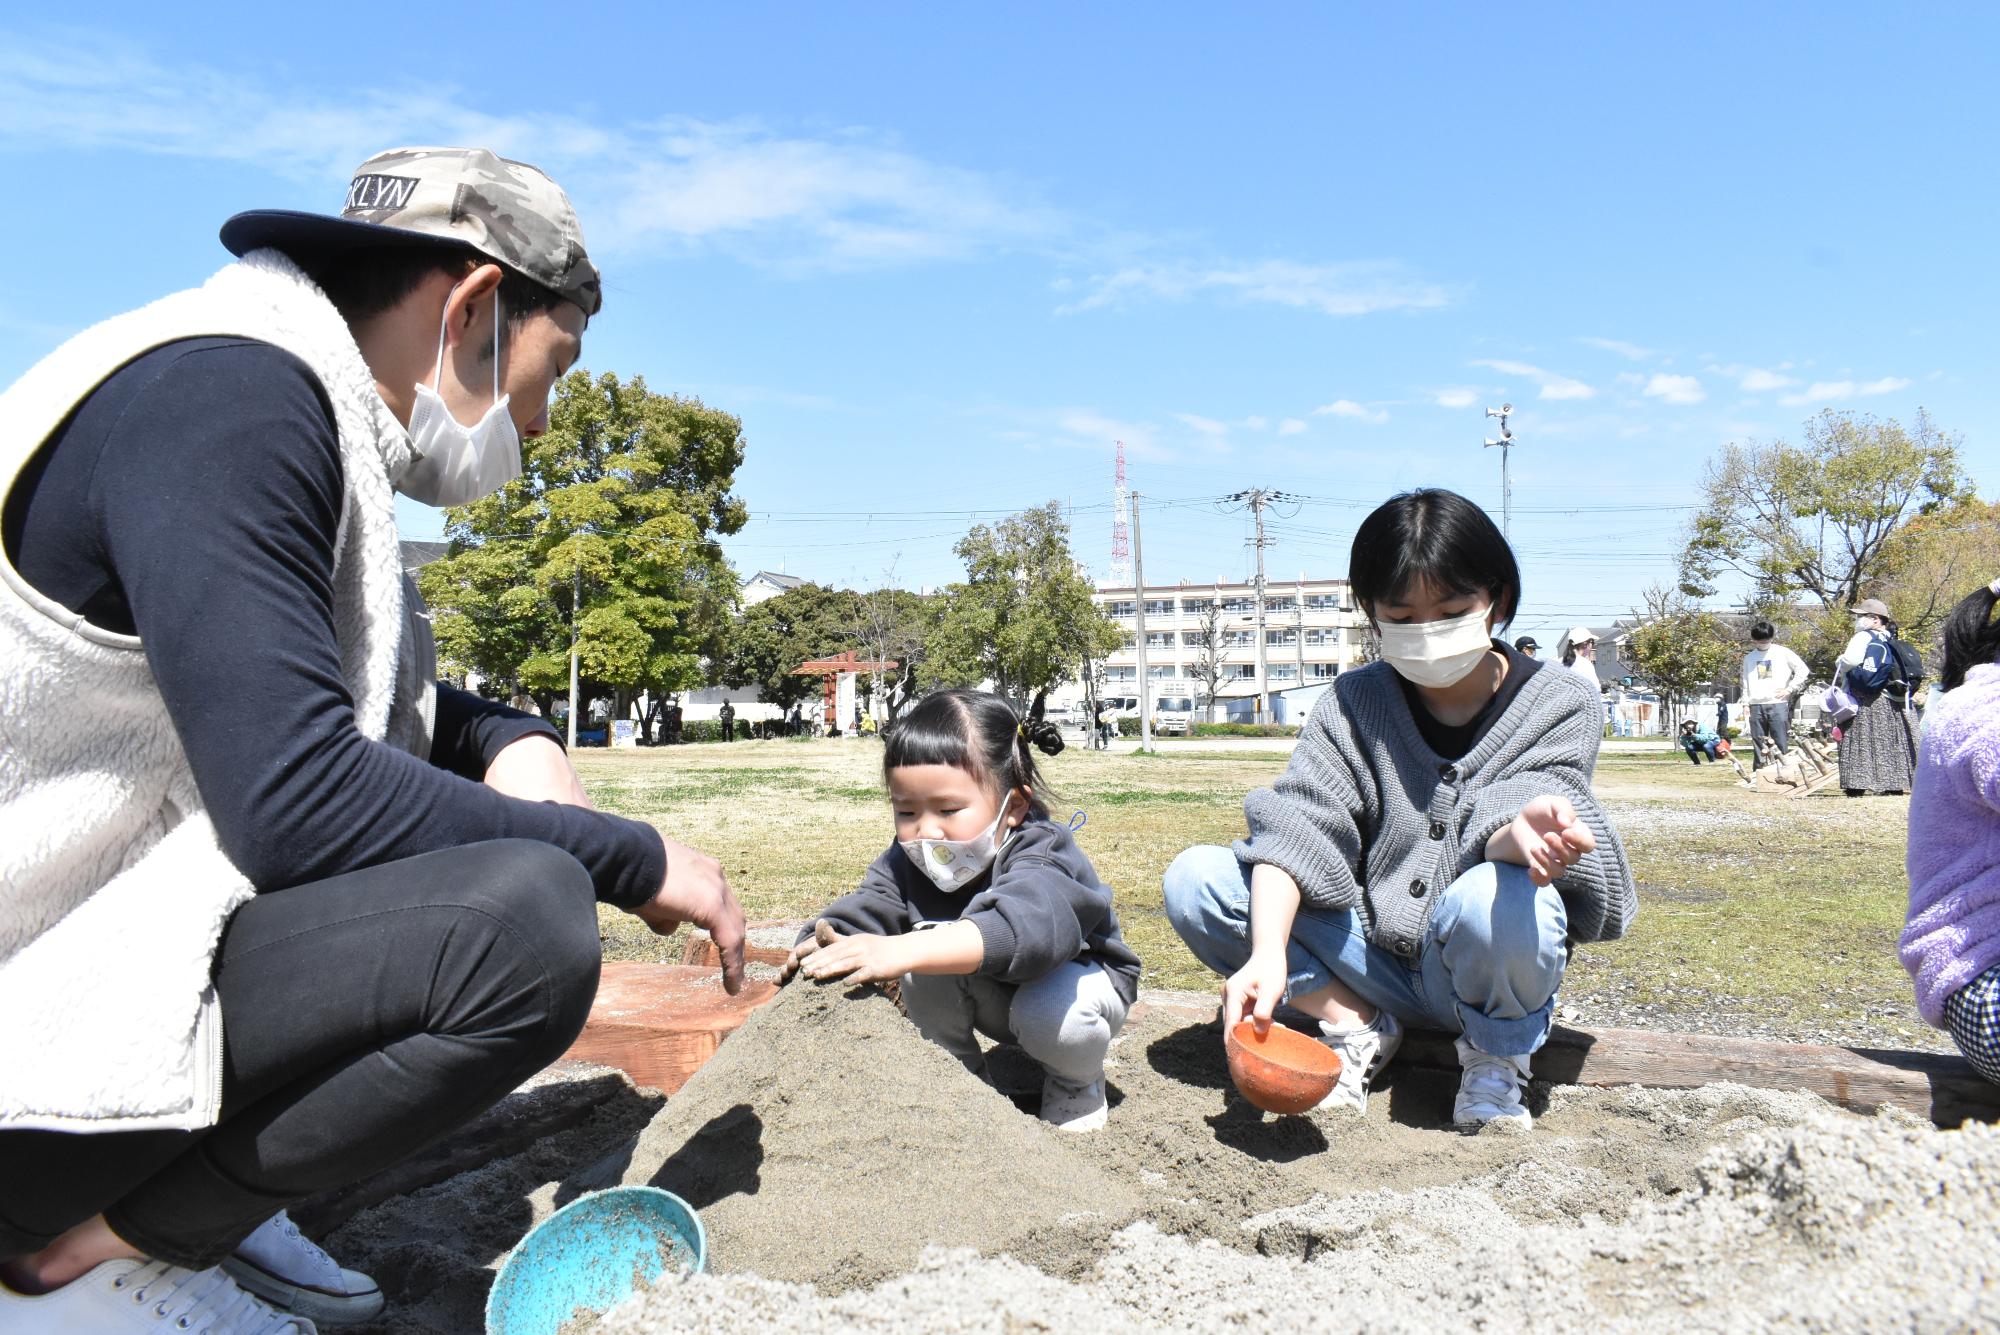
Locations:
(1040, 907)
(1369, 817)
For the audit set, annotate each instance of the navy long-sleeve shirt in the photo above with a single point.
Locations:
(1039, 907)
(193, 500)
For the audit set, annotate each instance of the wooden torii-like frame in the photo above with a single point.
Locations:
(829, 671)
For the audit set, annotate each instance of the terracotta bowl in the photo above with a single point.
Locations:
(1280, 1070)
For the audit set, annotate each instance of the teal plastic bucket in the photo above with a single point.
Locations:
(591, 1255)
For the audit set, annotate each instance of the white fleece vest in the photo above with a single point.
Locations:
(113, 890)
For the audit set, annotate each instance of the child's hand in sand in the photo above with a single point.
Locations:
(1547, 838)
(823, 935)
(861, 958)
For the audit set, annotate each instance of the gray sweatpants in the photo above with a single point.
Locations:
(1065, 1020)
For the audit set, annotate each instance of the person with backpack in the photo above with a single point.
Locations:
(1878, 746)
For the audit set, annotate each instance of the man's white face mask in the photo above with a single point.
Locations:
(1437, 653)
(952, 864)
(457, 464)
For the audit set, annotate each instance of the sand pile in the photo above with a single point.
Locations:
(1840, 1223)
(828, 1143)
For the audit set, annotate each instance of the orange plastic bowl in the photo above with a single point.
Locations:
(1280, 1070)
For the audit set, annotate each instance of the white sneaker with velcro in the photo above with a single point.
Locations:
(1489, 1089)
(292, 1273)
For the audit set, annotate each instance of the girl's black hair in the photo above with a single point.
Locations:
(1435, 537)
(980, 733)
(1971, 636)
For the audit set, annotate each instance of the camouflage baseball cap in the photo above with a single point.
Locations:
(505, 210)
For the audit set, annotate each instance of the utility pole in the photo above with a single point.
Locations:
(1506, 443)
(575, 608)
(1299, 628)
(1139, 627)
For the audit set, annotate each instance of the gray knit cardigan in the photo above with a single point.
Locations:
(1367, 816)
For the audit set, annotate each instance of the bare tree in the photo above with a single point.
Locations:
(1208, 663)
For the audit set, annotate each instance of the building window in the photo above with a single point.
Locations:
(1159, 607)
(1121, 674)
(1239, 605)
(1322, 671)
(1163, 670)
(1120, 609)
(1159, 639)
(1280, 604)
(1280, 637)
(1196, 639)
(1240, 671)
(1192, 605)
(1283, 671)
(1317, 636)
(1323, 602)
(1239, 637)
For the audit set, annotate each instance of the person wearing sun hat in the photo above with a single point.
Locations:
(1878, 746)
(288, 908)
(1579, 655)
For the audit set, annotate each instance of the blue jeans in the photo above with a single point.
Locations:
(1492, 958)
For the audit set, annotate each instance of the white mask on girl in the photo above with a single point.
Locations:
(1437, 653)
(952, 864)
(457, 464)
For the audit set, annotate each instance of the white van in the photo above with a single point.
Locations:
(1173, 711)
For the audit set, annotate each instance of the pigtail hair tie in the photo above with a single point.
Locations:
(1994, 588)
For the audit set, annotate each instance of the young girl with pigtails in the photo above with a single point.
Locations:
(984, 909)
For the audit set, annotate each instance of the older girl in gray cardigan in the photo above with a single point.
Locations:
(1433, 850)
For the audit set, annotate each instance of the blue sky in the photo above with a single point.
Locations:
(939, 258)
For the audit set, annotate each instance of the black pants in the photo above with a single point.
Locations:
(364, 1016)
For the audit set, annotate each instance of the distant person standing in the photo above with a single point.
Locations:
(727, 718)
(1878, 746)
(1772, 675)
(675, 719)
(1526, 644)
(1580, 655)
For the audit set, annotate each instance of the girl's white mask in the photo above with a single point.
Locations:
(952, 864)
(457, 464)
(1437, 653)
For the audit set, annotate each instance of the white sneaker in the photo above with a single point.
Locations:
(1490, 1089)
(1076, 1108)
(292, 1273)
(1364, 1051)
(146, 1296)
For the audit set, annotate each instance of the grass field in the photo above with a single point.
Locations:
(1758, 915)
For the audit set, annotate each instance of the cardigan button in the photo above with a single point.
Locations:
(1449, 773)
(1437, 829)
(1416, 889)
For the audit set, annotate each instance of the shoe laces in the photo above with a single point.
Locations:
(279, 1246)
(205, 1302)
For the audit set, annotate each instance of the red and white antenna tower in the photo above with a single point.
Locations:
(1121, 533)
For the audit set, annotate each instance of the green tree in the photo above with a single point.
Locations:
(1932, 562)
(609, 536)
(772, 638)
(1681, 650)
(1811, 521)
(1023, 616)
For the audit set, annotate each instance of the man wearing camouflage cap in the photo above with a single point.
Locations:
(276, 908)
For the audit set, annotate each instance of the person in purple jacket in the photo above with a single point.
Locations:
(984, 909)
(1951, 945)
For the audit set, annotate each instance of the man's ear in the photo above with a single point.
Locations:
(470, 304)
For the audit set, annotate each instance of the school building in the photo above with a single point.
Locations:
(1312, 633)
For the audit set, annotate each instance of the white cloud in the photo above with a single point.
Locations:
(1255, 423)
(1630, 379)
(1207, 426)
(1291, 426)
(1834, 391)
(1629, 351)
(1553, 386)
(1757, 380)
(1348, 408)
(1354, 288)
(1675, 389)
(1455, 398)
(1086, 428)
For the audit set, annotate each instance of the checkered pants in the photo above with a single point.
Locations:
(1973, 1015)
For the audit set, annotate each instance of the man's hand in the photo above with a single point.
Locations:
(861, 958)
(1547, 838)
(1255, 990)
(696, 891)
(534, 769)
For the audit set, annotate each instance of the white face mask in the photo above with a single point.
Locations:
(457, 464)
(1437, 653)
(952, 864)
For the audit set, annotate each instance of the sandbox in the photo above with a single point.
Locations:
(852, 1176)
